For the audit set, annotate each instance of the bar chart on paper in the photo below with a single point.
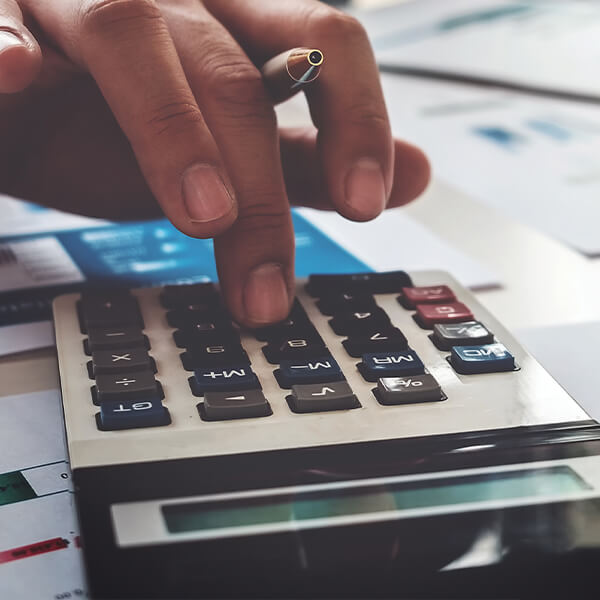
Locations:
(39, 537)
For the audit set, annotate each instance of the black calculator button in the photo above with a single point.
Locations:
(127, 386)
(214, 355)
(294, 349)
(323, 369)
(296, 324)
(109, 310)
(390, 338)
(202, 312)
(203, 334)
(360, 322)
(390, 364)
(346, 302)
(132, 414)
(238, 377)
(317, 397)
(115, 337)
(117, 361)
(371, 283)
(181, 296)
(487, 358)
(460, 334)
(218, 406)
(408, 390)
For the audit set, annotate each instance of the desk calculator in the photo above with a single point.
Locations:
(364, 443)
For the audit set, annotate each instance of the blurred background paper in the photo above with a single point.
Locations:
(544, 45)
(535, 159)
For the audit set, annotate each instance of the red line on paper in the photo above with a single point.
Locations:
(33, 549)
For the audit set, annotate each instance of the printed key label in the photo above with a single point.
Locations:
(313, 366)
(393, 360)
(226, 374)
(134, 406)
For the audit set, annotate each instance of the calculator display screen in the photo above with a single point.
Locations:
(356, 500)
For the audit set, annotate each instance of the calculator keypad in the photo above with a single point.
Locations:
(222, 375)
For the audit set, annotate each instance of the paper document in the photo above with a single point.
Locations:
(396, 241)
(535, 159)
(550, 46)
(569, 353)
(40, 557)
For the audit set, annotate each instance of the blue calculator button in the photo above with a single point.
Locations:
(130, 414)
(390, 364)
(223, 379)
(314, 370)
(488, 358)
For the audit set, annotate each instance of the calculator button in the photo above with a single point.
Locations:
(317, 370)
(109, 310)
(126, 386)
(391, 364)
(213, 355)
(296, 348)
(180, 296)
(460, 334)
(490, 358)
(387, 339)
(337, 395)
(407, 390)
(239, 377)
(355, 323)
(371, 283)
(218, 406)
(346, 302)
(131, 414)
(430, 314)
(117, 361)
(205, 334)
(430, 294)
(296, 324)
(116, 337)
(201, 312)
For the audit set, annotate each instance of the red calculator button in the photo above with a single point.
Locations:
(430, 294)
(452, 312)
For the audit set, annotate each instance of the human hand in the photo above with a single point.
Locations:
(123, 108)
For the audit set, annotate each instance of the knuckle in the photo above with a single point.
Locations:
(331, 22)
(172, 117)
(108, 16)
(269, 217)
(366, 113)
(237, 86)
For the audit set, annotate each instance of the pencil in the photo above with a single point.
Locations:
(290, 71)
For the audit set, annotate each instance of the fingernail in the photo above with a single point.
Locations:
(365, 187)
(9, 40)
(204, 194)
(265, 295)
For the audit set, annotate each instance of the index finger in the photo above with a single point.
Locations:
(126, 47)
(346, 101)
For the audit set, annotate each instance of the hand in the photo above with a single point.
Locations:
(109, 107)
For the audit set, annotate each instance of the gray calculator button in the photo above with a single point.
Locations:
(316, 397)
(218, 406)
(116, 361)
(121, 386)
(445, 336)
(115, 337)
(409, 389)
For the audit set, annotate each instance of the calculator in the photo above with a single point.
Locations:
(360, 447)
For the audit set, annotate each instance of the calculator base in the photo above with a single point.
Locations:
(398, 557)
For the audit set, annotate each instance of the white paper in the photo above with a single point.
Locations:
(547, 45)
(19, 218)
(32, 444)
(26, 336)
(570, 354)
(535, 159)
(40, 262)
(395, 241)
